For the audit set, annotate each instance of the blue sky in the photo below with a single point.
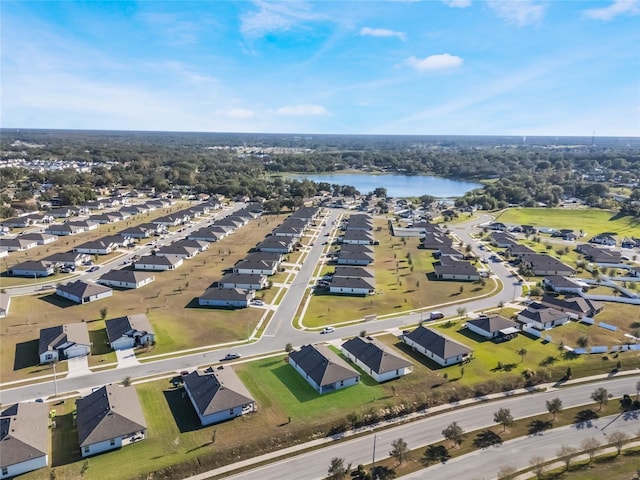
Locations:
(396, 67)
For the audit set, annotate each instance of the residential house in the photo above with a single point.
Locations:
(183, 251)
(218, 395)
(64, 341)
(542, 317)
(159, 262)
(64, 229)
(575, 306)
(68, 259)
(62, 212)
(17, 222)
(226, 297)
(246, 281)
(493, 327)
(561, 284)
(18, 244)
(376, 359)
(83, 292)
(604, 239)
(324, 370)
(450, 268)
(502, 239)
(542, 265)
(276, 244)
(358, 237)
(106, 218)
(32, 268)
(109, 418)
(97, 247)
(206, 234)
(436, 346)
(353, 285)
(599, 255)
(126, 278)
(351, 272)
(129, 332)
(24, 436)
(86, 225)
(287, 231)
(261, 267)
(40, 238)
(199, 245)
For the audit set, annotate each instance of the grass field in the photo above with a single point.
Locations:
(170, 302)
(591, 221)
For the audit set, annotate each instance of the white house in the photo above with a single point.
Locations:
(353, 285)
(126, 278)
(541, 317)
(375, 359)
(218, 395)
(246, 281)
(226, 297)
(129, 332)
(24, 436)
(32, 269)
(493, 326)
(322, 369)
(109, 418)
(83, 292)
(159, 262)
(439, 348)
(63, 342)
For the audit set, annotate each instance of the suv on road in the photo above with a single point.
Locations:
(328, 330)
(231, 356)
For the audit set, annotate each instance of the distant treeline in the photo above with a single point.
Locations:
(523, 171)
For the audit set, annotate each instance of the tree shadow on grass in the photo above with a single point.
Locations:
(538, 426)
(182, 410)
(26, 355)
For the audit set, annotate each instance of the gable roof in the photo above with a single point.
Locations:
(24, 432)
(216, 391)
(322, 365)
(129, 276)
(118, 327)
(542, 314)
(439, 344)
(492, 323)
(33, 265)
(574, 304)
(354, 271)
(159, 260)
(53, 337)
(354, 282)
(110, 411)
(375, 355)
(81, 289)
(227, 294)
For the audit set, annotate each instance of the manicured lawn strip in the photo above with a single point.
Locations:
(608, 466)
(590, 220)
(521, 427)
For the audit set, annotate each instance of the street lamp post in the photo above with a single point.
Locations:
(55, 384)
(373, 459)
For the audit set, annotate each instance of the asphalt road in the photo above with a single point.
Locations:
(417, 434)
(279, 332)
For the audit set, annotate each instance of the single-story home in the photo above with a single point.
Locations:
(64, 341)
(218, 395)
(64, 229)
(322, 369)
(40, 238)
(109, 418)
(276, 244)
(353, 285)
(96, 247)
(126, 278)
(83, 292)
(182, 251)
(351, 257)
(158, 262)
(376, 359)
(129, 332)
(542, 317)
(68, 259)
(32, 268)
(18, 244)
(361, 272)
(575, 306)
(493, 326)
(24, 436)
(358, 237)
(260, 267)
(247, 281)
(456, 270)
(226, 297)
(437, 347)
(561, 284)
(542, 265)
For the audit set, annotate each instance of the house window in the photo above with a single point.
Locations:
(112, 442)
(86, 449)
(5, 471)
(49, 356)
(231, 411)
(342, 383)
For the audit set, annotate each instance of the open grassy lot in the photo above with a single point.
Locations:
(170, 303)
(591, 221)
(404, 281)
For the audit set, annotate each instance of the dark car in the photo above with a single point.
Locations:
(231, 356)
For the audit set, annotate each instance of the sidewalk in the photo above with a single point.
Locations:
(273, 456)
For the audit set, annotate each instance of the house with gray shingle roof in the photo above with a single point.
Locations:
(158, 262)
(226, 297)
(129, 332)
(32, 269)
(276, 244)
(493, 326)
(109, 418)
(542, 317)
(218, 395)
(24, 436)
(18, 244)
(247, 281)
(558, 283)
(436, 346)
(261, 267)
(324, 370)
(126, 278)
(353, 285)
(64, 341)
(83, 292)
(376, 359)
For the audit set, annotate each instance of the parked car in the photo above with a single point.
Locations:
(328, 330)
(93, 269)
(436, 315)
(257, 302)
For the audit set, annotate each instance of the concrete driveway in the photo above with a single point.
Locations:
(126, 358)
(78, 366)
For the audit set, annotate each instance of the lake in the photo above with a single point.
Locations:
(398, 185)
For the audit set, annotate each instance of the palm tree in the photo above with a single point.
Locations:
(523, 353)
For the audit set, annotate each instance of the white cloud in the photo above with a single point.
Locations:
(618, 7)
(382, 32)
(442, 61)
(276, 17)
(518, 12)
(240, 113)
(457, 3)
(302, 110)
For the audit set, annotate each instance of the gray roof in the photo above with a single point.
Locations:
(52, 337)
(439, 344)
(228, 294)
(216, 391)
(159, 260)
(354, 282)
(24, 432)
(574, 304)
(109, 412)
(542, 315)
(356, 248)
(361, 272)
(251, 278)
(119, 327)
(457, 268)
(322, 365)
(129, 276)
(82, 289)
(375, 355)
(493, 323)
(560, 281)
(31, 265)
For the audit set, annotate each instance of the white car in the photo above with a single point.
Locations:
(257, 302)
(328, 330)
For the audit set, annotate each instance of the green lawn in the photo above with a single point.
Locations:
(592, 221)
